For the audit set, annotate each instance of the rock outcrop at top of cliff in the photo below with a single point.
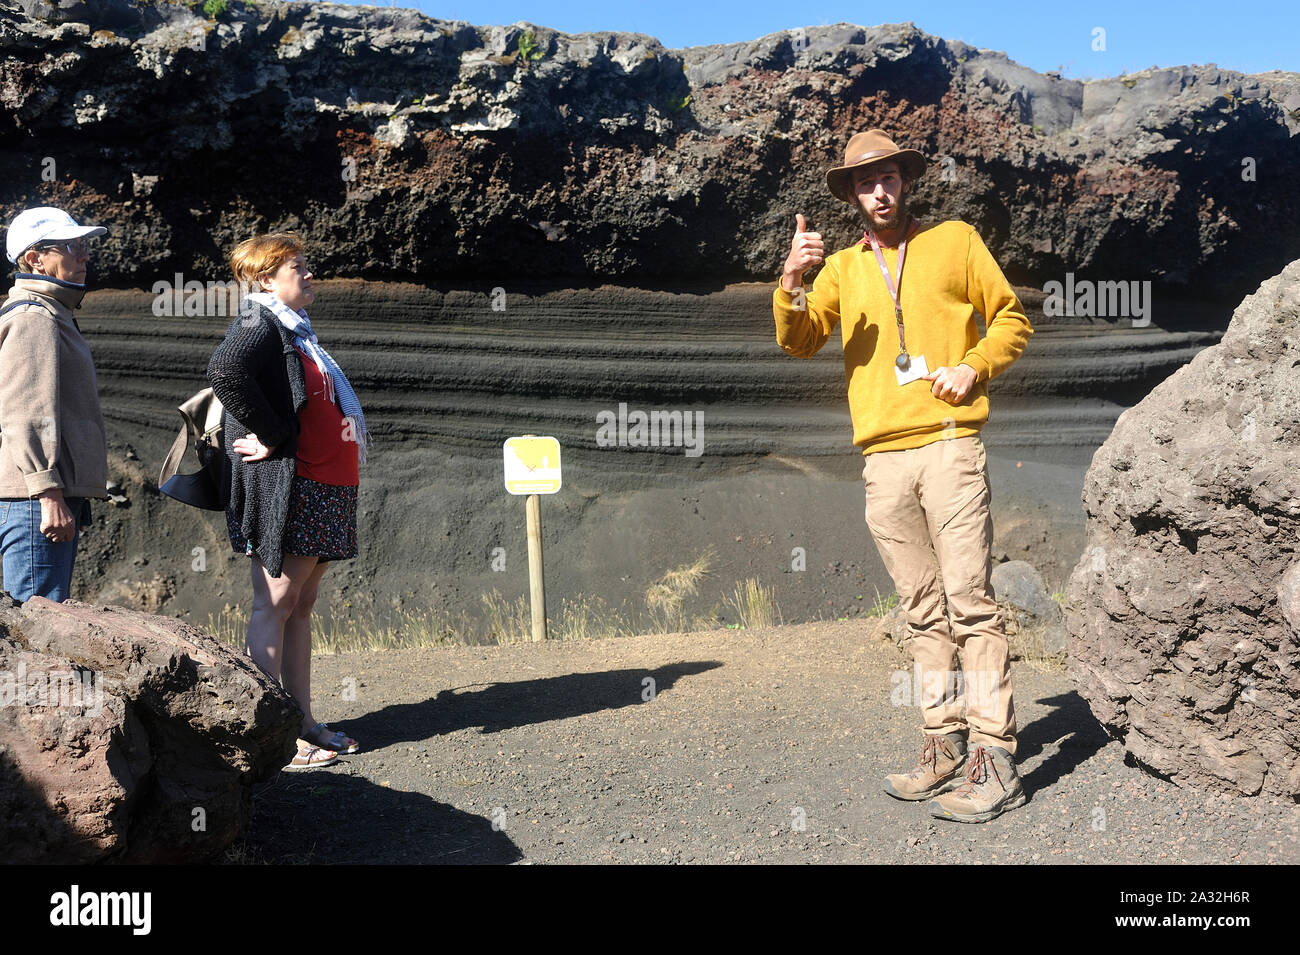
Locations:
(404, 146)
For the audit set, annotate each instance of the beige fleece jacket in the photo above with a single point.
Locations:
(51, 429)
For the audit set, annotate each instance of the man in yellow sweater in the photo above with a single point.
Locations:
(905, 299)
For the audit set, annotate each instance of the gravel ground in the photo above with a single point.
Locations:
(749, 746)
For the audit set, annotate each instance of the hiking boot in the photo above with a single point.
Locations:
(992, 787)
(940, 768)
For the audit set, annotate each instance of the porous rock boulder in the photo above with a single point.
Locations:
(128, 737)
(1184, 610)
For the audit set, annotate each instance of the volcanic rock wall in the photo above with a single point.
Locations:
(409, 147)
(520, 166)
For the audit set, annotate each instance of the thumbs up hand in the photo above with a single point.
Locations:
(806, 251)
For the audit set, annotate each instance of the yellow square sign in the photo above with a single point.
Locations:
(532, 465)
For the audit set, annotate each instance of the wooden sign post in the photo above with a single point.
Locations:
(532, 467)
(536, 586)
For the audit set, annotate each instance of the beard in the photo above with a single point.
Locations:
(897, 216)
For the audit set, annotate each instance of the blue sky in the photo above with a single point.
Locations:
(1252, 36)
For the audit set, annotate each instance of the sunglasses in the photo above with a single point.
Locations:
(74, 248)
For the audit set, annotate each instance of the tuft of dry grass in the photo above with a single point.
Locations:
(510, 621)
(589, 618)
(1027, 642)
(665, 597)
(882, 605)
(580, 618)
(239, 853)
(229, 627)
(755, 605)
(394, 630)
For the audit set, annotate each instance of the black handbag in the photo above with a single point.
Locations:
(202, 431)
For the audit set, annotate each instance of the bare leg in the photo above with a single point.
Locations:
(274, 599)
(297, 644)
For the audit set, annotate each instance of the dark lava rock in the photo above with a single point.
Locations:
(424, 149)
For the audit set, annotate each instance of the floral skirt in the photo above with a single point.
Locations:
(322, 522)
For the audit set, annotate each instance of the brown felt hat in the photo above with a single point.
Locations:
(864, 149)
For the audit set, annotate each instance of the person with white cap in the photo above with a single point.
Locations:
(918, 373)
(53, 454)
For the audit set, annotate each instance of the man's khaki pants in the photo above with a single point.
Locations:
(928, 510)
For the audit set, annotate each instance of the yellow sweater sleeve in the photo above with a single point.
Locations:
(802, 331)
(1008, 329)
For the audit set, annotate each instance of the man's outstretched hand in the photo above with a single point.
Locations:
(806, 251)
(952, 384)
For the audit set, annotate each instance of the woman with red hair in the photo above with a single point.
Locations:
(294, 436)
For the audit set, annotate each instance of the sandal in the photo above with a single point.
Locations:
(334, 740)
(312, 757)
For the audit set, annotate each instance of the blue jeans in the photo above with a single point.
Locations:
(34, 567)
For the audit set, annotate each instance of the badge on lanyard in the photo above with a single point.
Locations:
(916, 368)
(905, 367)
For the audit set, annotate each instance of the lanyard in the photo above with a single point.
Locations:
(903, 359)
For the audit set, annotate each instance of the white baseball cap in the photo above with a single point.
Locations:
(44, 224)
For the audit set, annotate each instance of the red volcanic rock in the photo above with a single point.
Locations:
(128, 737)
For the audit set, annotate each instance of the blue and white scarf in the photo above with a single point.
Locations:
(338, 389)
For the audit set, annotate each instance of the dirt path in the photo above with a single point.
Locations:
(754, 746)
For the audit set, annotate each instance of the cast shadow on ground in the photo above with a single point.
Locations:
(1070, 718)
(328, 817)
(501, 706)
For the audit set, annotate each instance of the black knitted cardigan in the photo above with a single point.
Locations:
(256, 373)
